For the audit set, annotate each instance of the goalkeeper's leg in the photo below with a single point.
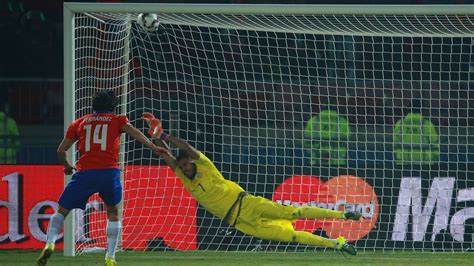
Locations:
(271, 210)
(315, 213)
(282, 230)
(309, 239)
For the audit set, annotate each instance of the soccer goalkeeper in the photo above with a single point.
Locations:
(252, 215)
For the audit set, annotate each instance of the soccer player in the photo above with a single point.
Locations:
(252, 215)
(98, 138)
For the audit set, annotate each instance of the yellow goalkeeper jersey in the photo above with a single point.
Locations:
(209, 187)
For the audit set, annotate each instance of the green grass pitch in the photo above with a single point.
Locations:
(245, 258)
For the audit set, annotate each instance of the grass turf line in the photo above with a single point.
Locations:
(16, 257)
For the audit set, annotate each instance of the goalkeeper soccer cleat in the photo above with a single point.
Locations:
(352, 215)
(345, 247)
(110, 262)
(45, 254)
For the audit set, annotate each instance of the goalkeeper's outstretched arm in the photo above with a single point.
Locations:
(183, 145)
(167, 156)
(162, 138)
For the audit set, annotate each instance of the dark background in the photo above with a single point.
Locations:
(31, 72)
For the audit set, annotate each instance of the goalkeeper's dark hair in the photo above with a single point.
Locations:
(105, 100)
(182, 155)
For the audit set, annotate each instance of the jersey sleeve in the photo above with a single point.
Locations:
(122, 120)
(71, 132)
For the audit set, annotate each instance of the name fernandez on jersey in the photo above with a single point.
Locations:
(98, 140)
(98, 118)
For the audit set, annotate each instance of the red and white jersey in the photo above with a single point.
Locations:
(98, 137)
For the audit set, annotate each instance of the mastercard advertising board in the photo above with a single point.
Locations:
(344, 192)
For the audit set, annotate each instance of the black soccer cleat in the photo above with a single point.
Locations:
(46, 253)
(345, 247)
(352, 215)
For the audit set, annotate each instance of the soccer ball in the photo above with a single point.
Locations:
(148, 21)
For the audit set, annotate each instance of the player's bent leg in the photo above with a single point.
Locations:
(54, 228)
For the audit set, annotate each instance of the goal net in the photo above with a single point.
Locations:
(340, 107)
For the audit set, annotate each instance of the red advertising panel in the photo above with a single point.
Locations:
(27, 200)
(158, 211)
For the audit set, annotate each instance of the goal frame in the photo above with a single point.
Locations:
(70, 8)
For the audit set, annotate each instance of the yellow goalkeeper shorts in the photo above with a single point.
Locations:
(263, 218)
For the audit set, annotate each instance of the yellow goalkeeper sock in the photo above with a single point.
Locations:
(314, 240)
(315, 212)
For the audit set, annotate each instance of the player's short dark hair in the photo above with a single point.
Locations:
(105, 100)
(182, 155)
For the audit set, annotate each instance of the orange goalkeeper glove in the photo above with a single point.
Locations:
(155, 130)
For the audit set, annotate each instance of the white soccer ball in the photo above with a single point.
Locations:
(148, 21)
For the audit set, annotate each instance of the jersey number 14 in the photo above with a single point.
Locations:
(99, 137)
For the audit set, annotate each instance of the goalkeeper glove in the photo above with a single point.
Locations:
(155, 129)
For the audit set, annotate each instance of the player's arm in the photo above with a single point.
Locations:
(138, 135)
(162, 143)
(161, 151)
(62, 155)
(167, 156)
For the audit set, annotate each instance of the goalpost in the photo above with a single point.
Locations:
(343, 107)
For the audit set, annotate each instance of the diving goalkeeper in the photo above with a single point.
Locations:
(252, 215)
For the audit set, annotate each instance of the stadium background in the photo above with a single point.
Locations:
(31, 83)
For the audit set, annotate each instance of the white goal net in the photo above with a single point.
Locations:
(353, 108)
